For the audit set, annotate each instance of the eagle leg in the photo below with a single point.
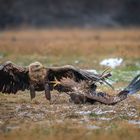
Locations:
(32, 91)
(47, 91)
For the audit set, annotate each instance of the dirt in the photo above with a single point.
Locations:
(18, 114)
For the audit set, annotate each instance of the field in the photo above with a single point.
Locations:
(21, 118)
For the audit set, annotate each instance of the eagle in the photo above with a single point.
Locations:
(86, 91)
(37, 77)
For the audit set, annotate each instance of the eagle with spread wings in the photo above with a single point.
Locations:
(36, 77)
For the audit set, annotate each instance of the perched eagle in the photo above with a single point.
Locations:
(36, 77)
(85, 91)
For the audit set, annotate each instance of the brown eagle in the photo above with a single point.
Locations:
(85, 91)
(36, 77)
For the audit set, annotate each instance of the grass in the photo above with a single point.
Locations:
(38, 119)
(67, 46)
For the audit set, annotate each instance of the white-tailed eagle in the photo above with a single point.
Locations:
(85, 91)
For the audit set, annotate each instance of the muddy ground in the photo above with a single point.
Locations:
(21, 118)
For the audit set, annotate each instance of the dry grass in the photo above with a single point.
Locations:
(61, 132)
(66, 46)
(21, 118)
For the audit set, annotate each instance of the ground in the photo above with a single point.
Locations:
(59, 119)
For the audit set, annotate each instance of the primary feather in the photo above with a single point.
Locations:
(13, 78)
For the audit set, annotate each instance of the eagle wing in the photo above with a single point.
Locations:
(73, 73)
(13, 78)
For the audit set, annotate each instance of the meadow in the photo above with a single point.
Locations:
(84, 48)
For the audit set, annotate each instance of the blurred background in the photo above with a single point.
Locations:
(69, 13)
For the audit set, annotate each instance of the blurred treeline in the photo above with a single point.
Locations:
(108, 13)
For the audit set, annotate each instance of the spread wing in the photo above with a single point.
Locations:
(13, 78)
(73, 73)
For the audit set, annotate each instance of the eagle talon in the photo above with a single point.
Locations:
(55, 82)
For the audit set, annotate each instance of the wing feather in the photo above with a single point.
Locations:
(72, 72)
(13, 78)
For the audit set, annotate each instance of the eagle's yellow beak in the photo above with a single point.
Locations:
(55, 82)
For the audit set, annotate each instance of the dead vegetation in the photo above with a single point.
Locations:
(39, 119)
(66, 46)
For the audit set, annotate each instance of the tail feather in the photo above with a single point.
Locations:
(134, 85)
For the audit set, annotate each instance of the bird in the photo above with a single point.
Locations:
(37, 77)
(86, 91)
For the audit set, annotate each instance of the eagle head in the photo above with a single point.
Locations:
(37, 72)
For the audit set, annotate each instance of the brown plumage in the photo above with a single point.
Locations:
(36, 77)
(85, 91)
